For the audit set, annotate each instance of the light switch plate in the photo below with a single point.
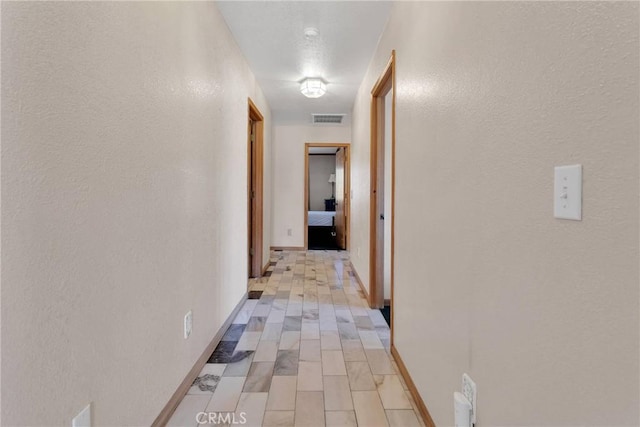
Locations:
(83, 419)
(567, 192)
(470, 391)
(188, 324)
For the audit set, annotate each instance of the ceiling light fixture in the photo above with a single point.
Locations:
(313, 88)
(310, 33)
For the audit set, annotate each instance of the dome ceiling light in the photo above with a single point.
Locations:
(313, 88)
(310, 33)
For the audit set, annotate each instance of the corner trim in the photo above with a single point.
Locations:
(362, 288)
(165, 415)
(266, 266)
(288, 248)
(422, 408)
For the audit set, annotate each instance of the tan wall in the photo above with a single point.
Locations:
(288, 177)
(320, 168)
(124, 174)
(541, 312)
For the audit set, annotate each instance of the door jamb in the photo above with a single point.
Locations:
(385, 83)
(347, 185)
(256, 237)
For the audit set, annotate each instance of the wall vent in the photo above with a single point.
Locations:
(334, 119)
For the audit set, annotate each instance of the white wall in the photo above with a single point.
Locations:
(541, 312)
(320, 167)
(124, 179)
(288, 177)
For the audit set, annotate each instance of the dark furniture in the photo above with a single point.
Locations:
(322, 238)
(322, 230)
(330, 205)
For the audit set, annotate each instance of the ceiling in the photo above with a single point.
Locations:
(323, 150)
(271, 37)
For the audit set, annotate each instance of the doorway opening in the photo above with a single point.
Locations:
(381, 256)
(326, 196)
(255, 156)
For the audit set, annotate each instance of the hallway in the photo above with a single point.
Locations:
(485, 182)
(304, 350)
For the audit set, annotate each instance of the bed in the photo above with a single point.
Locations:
(322, 230)
(321, 218)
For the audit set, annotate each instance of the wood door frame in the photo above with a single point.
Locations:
(385, 83)
(347, 187)
(255, 221)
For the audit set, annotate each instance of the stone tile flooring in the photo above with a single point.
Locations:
(304, 350)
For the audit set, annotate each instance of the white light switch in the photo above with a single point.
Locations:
(188, 324)
(567, 192)
(83, 419)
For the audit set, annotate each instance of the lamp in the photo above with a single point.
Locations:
(313, 88)
(332, 180)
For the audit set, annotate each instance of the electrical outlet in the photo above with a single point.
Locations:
(470, 392)
(289, 231)
(83, 419)
(188, 324)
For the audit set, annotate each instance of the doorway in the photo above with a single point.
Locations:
(326, 196)
(255, 155)
(381, 256)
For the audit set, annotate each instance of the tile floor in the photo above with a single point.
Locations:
(304, 350)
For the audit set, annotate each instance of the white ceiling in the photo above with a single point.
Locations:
(322, 150)
(271, 37)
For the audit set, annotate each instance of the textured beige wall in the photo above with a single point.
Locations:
(124, 174)
(543, 313)
(288, 177)
(0, 225)
(320, 168)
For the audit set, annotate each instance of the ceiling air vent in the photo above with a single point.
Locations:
(334, 119)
